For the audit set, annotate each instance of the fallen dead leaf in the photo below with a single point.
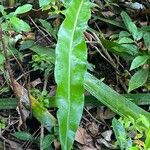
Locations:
(36, 82)
(106, 143)
(56, 144)
(107, 135)
(94, 129)
(80, 136)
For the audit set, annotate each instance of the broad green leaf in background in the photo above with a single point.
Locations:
(48, 27)
(125, 40)
(133, 49)
(124, 34)
(21, 135)
(126, 19)
(110, 21)
(23, 9)
(5, 26)
(116, 102)
(2, 58)
(27, 44)
(147, 141)
(43, 3)
(66, 1)
(134, 148)
(124, 50)
(2, 8)
(146, 38)
(19, 25)
(121, 135)
(70, 68)
(145, 29)
(137, 35)
(44, 51)
(138, 79)
(47, 141)
(8, 103)
(139, 61)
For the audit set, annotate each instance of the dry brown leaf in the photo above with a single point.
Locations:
(107, 135)
(106, 143)
(80, 136)
(94, 129)
(103, 114)
(36, 82)
(56, 144)
(52, 91)
(107, 13)
(108, 114)
(14, 145)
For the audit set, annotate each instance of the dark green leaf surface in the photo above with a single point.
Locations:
(23, 135)
(47, 141)
(70, 68)
(44, 3)
(147, 141)
(125, 40)
(120, 133)
(23, 9)
(138, 61)
(110, 21)
(113, 100)
(19, 25)
(8, 103)
(138, 79)
(126, 19)
(123, 50)
(137, 35)
(146, 38)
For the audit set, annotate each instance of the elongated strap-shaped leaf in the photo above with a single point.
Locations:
(70, 68)
(8, 103)
(112, 99)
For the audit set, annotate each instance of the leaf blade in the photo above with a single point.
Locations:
(138, 79)
(139, 61)
(23, 9)
(113, 100)
(70, 67)
(19, 25)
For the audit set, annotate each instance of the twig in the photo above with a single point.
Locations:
(93, 116)
(40, 31)
(41, 137)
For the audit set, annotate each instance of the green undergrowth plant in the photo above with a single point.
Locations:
(2, 124)
(11, 21)
(126, 44)
(130, 133)
(140, 61)
(43, 97)
(45, 143)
